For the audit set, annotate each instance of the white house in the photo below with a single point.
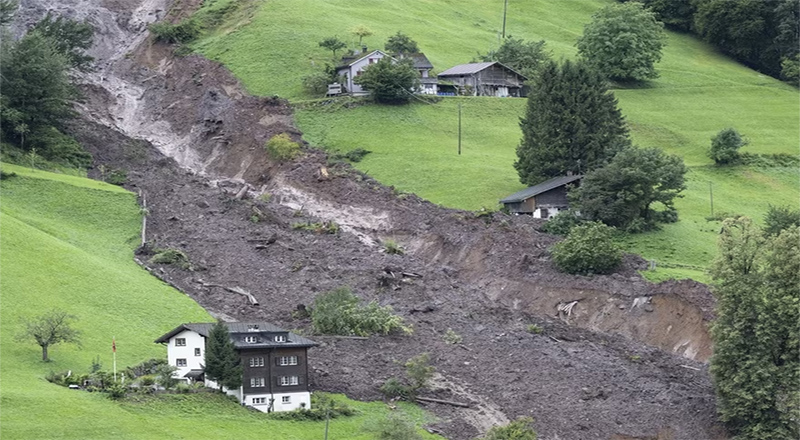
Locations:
(354, 66)
(274, 362)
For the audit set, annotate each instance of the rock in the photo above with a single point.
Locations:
(203, 204)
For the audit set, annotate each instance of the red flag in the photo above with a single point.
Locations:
(113, 345)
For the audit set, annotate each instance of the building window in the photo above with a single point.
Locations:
(289, 380)
(250, 339)
(180, 362)
(280, 338)
(259, 400)
(287, 360)
(180, 342)
(257, 382)
(252, 328)
(197, 351)
(257, 362)
(286, 399)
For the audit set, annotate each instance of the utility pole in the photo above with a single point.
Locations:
(459, 129)
(711, 196)
(505, 11)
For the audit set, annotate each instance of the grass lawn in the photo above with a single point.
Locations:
(271, 45)
(67, 243)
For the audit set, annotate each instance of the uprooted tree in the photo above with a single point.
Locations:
(51, 328)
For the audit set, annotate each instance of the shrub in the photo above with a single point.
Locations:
(316, 83)
(418, 373)
(171, 256)
(148, 367)
(164, 376)
(535, 329)
(779, 218)
(393, 427)
(725, 146)
(451, 337)
(356, 155)
(322, 407)
(6, 175)
(116, 391)
(182, 32)
(392, 248)
(519, 429)
(589, 249)
(339, 313)
(281, 148)
(562, 223)
(393, 388)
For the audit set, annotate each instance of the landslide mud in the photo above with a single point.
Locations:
(626, 362)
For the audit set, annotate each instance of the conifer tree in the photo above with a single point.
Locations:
(572, 124)
(221, 360)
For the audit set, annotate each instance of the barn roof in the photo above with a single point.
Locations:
(237, 329)
(543, 187)
(469, 69)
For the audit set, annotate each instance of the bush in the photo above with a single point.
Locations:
(356, 155)
(519, 429)
(394, 389)
(164, 376)
(589, 249)
(451, 337)
(779, 218)
(392, 248)
(535, 329)
(322, 407)
(725, 146)
(281, 148)
(116, 391)
(393, 427)
(148, 367)
(171, 256)
(339, 313)
(562, 223)
(182, 32)
(6, 175)
(418, 373)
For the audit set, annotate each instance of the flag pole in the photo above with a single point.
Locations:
(114, 351)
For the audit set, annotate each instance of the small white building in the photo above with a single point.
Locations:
(274, 362)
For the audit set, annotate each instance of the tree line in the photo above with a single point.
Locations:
(38, 88)
(762, 34)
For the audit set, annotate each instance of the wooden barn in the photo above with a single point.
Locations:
(544, 200)
(484, 79)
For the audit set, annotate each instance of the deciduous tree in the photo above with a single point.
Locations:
(623, 41)
(51, 328)
(361, 31)
(401, 43)
(588, 249)
(333, 44)
(524, 57)
(390, 82)
(725, 146)
(571, 124)
(756, 361)
(221, 360)
(622, 193)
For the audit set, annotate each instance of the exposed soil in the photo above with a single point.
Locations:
(626, 363)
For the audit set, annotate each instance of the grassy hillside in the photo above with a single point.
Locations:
(270, 46)
(67, 243)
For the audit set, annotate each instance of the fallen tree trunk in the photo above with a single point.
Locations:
(237, 290)
(444, 402)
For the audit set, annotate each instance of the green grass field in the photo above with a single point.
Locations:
(67, 243)
(272, 45)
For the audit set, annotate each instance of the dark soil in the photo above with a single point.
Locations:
(626, 363)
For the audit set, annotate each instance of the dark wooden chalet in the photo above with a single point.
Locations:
(274, 362)
(543, 200)
(483, 79)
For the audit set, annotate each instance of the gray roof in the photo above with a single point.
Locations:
(466, 69)
(239, 329)
(535, 190)
(349, 60)
(420, 61)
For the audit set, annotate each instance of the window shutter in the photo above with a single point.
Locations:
(277, 381)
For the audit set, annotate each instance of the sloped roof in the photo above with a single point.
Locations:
(535, 190)
(350, 60)
(420, 60)
(239, 329)
(466, 69)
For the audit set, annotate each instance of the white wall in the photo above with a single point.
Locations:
(295, 401)
(193, 340)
